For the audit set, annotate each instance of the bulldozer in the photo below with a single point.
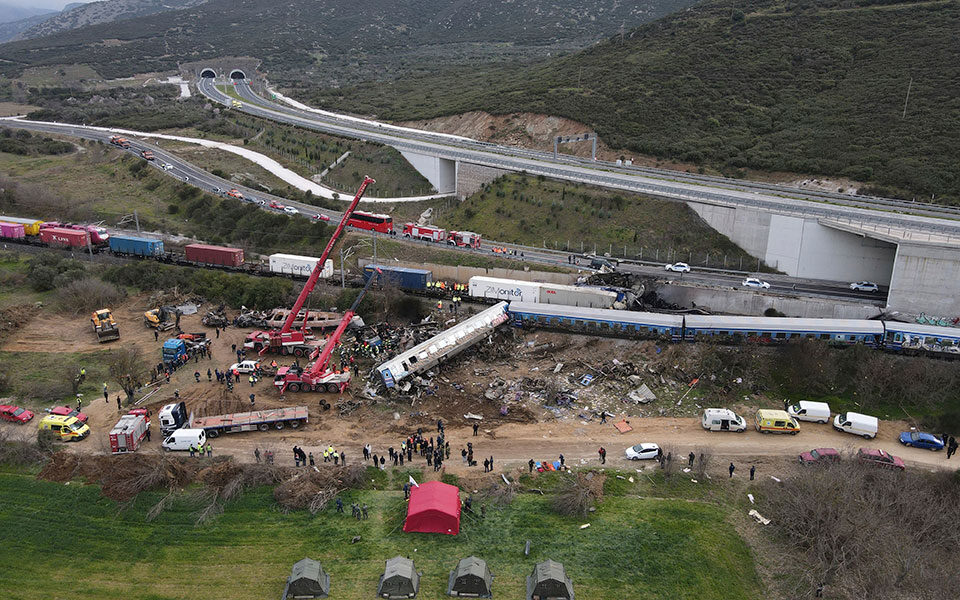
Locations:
(162, 318)
(104, 325)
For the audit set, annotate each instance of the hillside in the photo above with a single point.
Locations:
(108, 11)
(338, 41)
(11, 12)
(816, 87)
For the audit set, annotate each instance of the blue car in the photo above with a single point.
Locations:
(918, 439)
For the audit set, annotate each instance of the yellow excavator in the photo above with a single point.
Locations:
(162, 318)
(104, 325)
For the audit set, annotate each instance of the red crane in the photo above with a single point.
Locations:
(285, 340)
(317, 376)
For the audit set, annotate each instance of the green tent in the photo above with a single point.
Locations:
(471, 579)
(549, 581)
(399, 580)
(307, 580)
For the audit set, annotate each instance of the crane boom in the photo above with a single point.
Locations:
(320, 364)
(318, 268)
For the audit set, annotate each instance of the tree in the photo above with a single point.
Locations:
(128, 369)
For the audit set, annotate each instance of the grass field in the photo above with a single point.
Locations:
(67, 541)
(39, 379)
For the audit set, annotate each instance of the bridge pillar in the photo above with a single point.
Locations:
(440, 172)
(926, 278)
(471, 178)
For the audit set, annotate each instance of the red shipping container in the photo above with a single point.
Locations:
(128, 433)
(215, 255)
(12, 231)
(58, 236)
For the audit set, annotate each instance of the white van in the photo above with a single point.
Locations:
(818, 412)
(182, 439)
(723, 419)
(857, 424)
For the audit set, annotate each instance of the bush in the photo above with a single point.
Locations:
(84, 295)
(578, 493)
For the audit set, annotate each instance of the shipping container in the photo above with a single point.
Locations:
(136, 246)
(98, 235)
(403, 277)
(30, 226)
(128, 433)
(298, 266)
(512, 290)
(571, 295)
(214, 255)
(67, 238)
(12, 231)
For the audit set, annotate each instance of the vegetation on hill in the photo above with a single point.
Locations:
(814, 86)
(337, 41)
(539, 212)
(25, 143)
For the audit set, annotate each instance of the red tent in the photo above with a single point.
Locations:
(434, 508)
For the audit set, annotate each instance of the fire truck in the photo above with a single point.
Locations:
(424, 232)
(464, 239)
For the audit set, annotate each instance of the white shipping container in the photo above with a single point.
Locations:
(504, 289)
(572, 295)
(291, 264)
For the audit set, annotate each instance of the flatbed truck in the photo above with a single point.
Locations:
(263, 420)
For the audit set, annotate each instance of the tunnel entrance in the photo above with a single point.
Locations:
(208, 73)
(237, 74)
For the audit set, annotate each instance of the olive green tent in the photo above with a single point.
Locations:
(307, 580)
(399, 580)
(549, 581)
(471, 579)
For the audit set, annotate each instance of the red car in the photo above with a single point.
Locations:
(880, 458)
(819, 456)
(66, 411)
(321, 217)
(16, 414)
(276, 205)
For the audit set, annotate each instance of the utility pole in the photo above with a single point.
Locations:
(907, 99)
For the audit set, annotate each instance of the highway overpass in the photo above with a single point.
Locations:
(914, 248)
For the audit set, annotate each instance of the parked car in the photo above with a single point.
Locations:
(864, 286)
(9, 412)
(246, 366)
(276, 205)
(321, 217)
(919, 439)
(291, 210)
(66, 411)
(753, 282)
(805, 410)
(643, 451)
(678, 267)
(857, 424)
(880, 458)
(819, 456)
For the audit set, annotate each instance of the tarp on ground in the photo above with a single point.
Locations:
(434, 508)
(307, 580)
(471, 578)
(399, 580)
(549, 581)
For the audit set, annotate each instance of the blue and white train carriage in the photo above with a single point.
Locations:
(912, 337)
(598, 321)
(773, 330)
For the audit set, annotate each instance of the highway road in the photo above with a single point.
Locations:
(672, 185)
(171, 165)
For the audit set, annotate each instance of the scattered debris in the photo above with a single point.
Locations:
(760, 518)
(623, 426)
(643, 395)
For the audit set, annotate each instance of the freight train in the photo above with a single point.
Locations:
(895, 336)
(94, 238)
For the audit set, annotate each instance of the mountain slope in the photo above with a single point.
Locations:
(10, 13)
(338, 40)
(12, 29)
(811, 86)
(108, 11)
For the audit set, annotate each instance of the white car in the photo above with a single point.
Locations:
(167, 167)
(644, 451)
(291, 210)
(864, 286)
(678, 268)
(753, 282)
(247, 366)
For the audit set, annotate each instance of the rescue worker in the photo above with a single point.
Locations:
(209, 450)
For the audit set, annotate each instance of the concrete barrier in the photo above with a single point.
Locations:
(751, 303)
